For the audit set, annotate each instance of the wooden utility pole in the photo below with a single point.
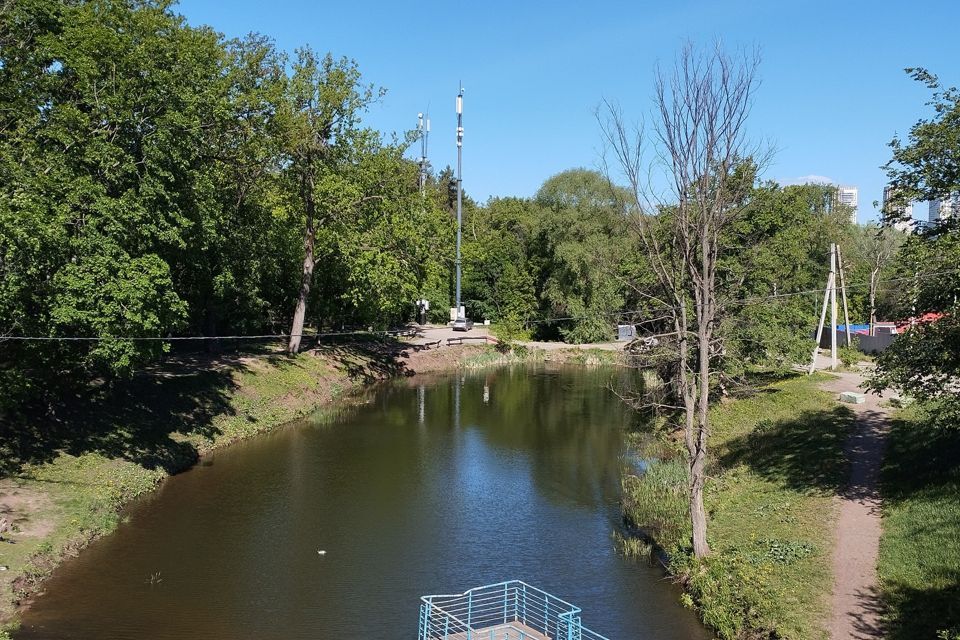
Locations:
(833, 307)
(829, 299)
(843, 293)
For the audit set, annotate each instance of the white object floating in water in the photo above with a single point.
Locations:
(851, 397)
(3, 567)
(322, 552)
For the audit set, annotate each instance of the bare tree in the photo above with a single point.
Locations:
(877, 245)
(701, 107)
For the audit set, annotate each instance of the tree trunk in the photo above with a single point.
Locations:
(698, 515)
(873, 301)
(306, 278)
(698, 456)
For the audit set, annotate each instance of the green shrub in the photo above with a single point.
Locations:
(733, 594)
(511, 328)
(657, 501)
(632, 547)
(851, 355)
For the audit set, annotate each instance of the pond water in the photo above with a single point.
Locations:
(432, 485)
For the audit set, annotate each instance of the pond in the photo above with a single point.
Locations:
(429, 485)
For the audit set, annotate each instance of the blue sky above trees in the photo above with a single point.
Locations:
(833, 89)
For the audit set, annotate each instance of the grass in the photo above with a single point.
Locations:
(593, 357)
(777, 462)
(490, 356)
(68, 477)
(919, 562)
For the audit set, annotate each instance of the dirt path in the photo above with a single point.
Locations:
(855, 602)
(428, 334)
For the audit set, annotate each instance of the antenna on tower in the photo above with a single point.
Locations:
(423, 129)
(461, 322)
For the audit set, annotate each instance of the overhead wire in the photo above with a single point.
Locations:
(549, 320)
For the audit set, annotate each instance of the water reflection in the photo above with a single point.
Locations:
(431, 485)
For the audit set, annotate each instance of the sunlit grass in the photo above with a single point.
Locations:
(777, 460)
(919, 563)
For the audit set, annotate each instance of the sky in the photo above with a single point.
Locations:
(833, 91)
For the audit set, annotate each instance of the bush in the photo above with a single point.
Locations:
(656, 502)
(851, 355)
(509, 330)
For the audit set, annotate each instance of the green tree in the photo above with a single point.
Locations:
(584, 248)
(390, 245)
(924, 362)
(324, 101)
(778, 246)
(102, 162)
(498, 276)
(869, 256)
(925, 167)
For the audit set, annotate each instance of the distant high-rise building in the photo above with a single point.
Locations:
(944, 208)
(849, 196)
(901, 214)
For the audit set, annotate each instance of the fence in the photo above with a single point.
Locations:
(510, 610)
(866, 344)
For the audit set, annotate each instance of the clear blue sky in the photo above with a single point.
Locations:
(833, 88)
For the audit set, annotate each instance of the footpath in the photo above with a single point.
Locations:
(856, 610)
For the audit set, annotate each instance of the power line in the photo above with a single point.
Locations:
(752, 300)
(394, 332)
(266, 336)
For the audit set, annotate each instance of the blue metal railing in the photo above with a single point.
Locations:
(510, 610)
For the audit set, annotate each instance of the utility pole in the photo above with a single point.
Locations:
(829, 299)
(833, 307)
(460, 321)
(843, 292)
(913, 304)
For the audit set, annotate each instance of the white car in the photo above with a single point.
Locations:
(462, 324)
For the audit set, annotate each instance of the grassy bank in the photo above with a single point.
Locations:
(919, 563)
(777, 462)
(66, 476)
(491, 355)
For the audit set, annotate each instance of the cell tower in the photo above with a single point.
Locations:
(423, 128)
(461, 322)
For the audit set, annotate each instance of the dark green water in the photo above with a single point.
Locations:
(433, 486)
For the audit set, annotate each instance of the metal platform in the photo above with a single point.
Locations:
(510, 610)
(511, 631)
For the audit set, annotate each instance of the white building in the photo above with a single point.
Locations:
(944, 208)
(849, 196)
(904, 213)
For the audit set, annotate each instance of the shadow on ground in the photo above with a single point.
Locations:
(134, 419)
(804, 454)
(920, 556)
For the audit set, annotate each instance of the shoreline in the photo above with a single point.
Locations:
(239, 397)
(778, 462)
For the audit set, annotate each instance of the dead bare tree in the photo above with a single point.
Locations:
(700, 143)
(877, 245)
